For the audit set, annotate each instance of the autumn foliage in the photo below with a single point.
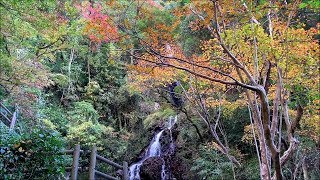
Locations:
(99, 27)
(245, 74)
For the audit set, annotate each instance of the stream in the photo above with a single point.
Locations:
(154, 150)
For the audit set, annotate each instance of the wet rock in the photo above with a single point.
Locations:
(151, 169)
(168, 142)
(178, 168)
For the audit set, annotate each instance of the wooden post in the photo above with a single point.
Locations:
(13, 121)
(125, 175)
(75, 163)
(93, 160)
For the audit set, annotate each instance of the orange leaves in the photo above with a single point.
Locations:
(171, 66)
(251, 43)
(99, 26)
(298, 53)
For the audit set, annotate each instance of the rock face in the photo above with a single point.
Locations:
(175, 168)
(168, 141)
(159, 160)
(151, 169)
(178, 169)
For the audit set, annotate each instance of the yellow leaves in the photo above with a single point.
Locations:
(214, 145)
(111, 3)
(248, 136)
(291, 48)
(212, 102)
(16, 145)
(311, 126)
(21, 149)
(151, 75)
(49, 124)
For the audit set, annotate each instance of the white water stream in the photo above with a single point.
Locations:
(154, 150)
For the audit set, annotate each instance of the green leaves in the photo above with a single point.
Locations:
(212, 165)
(158, 117)
(313, 4)
(32, 155)
(87, 134)
(82, 112)
(24, 28)
(60, 79)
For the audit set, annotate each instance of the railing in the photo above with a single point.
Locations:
(92, 167)
(93, 171)
(10, 118)
(75, 161)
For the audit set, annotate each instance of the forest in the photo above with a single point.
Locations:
(178, 90)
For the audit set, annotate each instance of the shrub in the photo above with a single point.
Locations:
(31, 156)
(212, 165)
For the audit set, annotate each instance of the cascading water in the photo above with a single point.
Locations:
(155, 147)
(154, 150)
(172, 121)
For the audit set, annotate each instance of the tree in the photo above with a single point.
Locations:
(262, 59)
(260, 56)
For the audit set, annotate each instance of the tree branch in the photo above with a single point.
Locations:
(235, 83)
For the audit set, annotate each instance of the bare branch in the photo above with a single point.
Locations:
(276, 101)
(235, 83)
(193, 64)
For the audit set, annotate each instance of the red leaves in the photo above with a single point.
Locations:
(154, 4)
(99, 26)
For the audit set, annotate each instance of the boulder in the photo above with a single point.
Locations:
(151, 169)
(178, 168)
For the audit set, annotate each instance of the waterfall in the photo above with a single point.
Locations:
(172, 121)
(154, 150)
(155, 147)
(163, 171)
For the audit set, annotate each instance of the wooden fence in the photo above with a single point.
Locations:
(75, 161)
(9, 118)
(93, 172)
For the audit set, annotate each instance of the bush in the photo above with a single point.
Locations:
(158, 117)
(31, 156)
(88, 133)
(212, 165)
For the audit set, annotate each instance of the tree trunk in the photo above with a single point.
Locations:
(305, 169)
(69, 70)
(193, 124)
(265, 115)
(88, 69)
